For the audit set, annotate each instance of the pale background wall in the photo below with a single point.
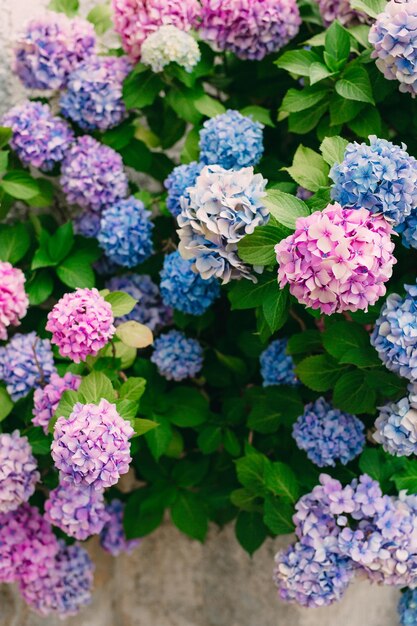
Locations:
(170, 580)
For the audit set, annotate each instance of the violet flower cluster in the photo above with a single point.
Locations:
(224, 206)
(407, 608)
(185, 290)
(249, 28)
(181, 178)
(337, 259)
(396, 425)
(26, 362)
(112, 537)
(394, 335)
(277, 367)
(39, 138)
(50, 47)
(93, 96)
(381, 177)
(331, 10)
(328, 435)
(176, 356)
(47, 398)
(81, 324)
(170, 44)
(18, 471)
(13, 299)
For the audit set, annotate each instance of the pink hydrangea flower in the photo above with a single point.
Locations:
(77, 510)
(92, 446)
(134, 20)
(13, 299)
(18, 471)
(337, 259)
(46, 399)
(81, 324)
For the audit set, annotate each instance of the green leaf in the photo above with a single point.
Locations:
(20, 184)
(407, 478)
(96, 386)
(233, 363)
(303, 122)
(342, 336)
(278, 515)
(285, 208)
(279, 405)
(250, 530)
(183, 102)
(14, 242)
(6, 134)
(75, 271)
(191, 149)
(101, 18)
(380, 465)
(208, 106)
(244, 499)
(40, 443)
(127, 409)
(333, 149)
(45, 196)
(337, 43)
(121, 303)
(138, 156)
(69, 7)
(231, 443)
(298, 61)
(319, 373)
(352, 393)
(371, 7)
(142, 514)
(246, 295)
(355, 85)
(142, 426)
(309, 169)
(133, 389)
(367, 122)
(140, 90)
(6, 403)
(318, 72)
(189, 515)
(296, 100)
(250, 471)
(64, 408)
(258, 248)
(61, 242)
(341, 110)
(386, 383)
(187, 407)
(209, 439)
(39, 287)
(275, 308)
(281, 480)
(134, 335)
(361, 357)
(259, 114)
(307, 341)
(158, 439)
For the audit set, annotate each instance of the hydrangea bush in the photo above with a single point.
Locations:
(208, 281)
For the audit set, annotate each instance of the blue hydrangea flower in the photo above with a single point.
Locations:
(150, 310)
(409, 231)
(327, 435)
(396, 425)
(181, 177)
(277, 367)
(26, 363)
(395, 332)
(93, 96)
(407, 608)
(176, 356)
(381, 177)
(183, 289)
(87, 224)
(126, 232)
(231, 140)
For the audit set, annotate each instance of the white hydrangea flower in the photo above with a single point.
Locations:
(170, 44)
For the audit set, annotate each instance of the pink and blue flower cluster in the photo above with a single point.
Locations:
(18, 471)
(396, 425)
(47, 398)
(14, 301)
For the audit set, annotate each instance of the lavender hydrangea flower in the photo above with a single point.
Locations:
(112, 537)
(79, 511)
(93, 97)
(14, 301)
(327, 435)
(224, 206)
(176, 356)
(46, 399)
(277, 367)
(18, 471)
(26, 363)
(231, 140)
(65, 587)
(395, 331)
(381, 177)
(149, 310)
(249, 28)
(170, 44)
(50, 47)
(87, 224)
(395, 48)
(92, 446)
(407, 608)
(92, 175)
(331, 10)
(396, 425)
(126, 232)
(39, 138)
(183, 289)
(177, 183)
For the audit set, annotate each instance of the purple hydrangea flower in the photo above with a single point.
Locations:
(277, 367)
(26, 363)
(249, 28)
(149, 310)
(331, 10)
(18, 471)
(79, 511)
(177, 183)
(176, 356)
(64, 588)
(39, 138)
(50, 47)
(46, 399)
(231, 140)
(92, 175)
(183, 289)
(112, 537)
(13, 298)
(126, 232)
(92, 446)
(87, 224)
(407, 608)
(93, 97)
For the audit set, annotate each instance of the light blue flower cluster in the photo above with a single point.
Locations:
(93, 96)
(381, 177)
(327, 435)
(181, 177)
(396, 425)
(176, 356)
(231, 140)
(26, 363)
(395, 332)
(407, 608)
(39, 138)
(183, 289)
(277, 367)
(126, 232)
(149, 310)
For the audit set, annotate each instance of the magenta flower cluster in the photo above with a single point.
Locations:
(81, 324)
(92, 446)
(331, 10)
(337, 259)
(13, 299)
(112, 537)
(46, 399)
(18, 471)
